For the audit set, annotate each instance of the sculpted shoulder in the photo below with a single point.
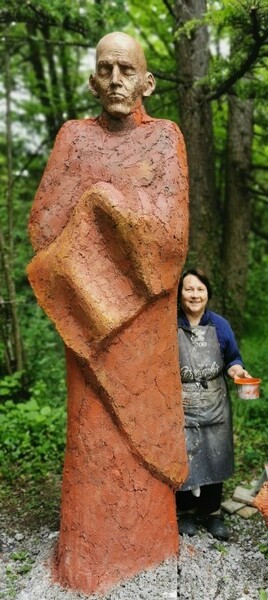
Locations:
(165, 128)
(70, 129)
(162, 123)
(73, 128)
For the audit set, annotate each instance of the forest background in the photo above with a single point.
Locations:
(210, 61)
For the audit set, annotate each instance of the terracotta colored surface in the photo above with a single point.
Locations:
(109, 224)
(261, 501)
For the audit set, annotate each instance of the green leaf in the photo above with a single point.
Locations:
(46, 410)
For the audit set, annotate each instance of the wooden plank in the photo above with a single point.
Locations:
(231, 506)
(243, 495)
(247, 512)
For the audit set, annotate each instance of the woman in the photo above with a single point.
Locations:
(208, 351)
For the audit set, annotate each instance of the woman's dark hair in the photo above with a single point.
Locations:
(200, 275)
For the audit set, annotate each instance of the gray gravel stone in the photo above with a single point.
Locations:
(156, 583)
(207, 569)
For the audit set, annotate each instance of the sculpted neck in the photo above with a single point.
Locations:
(124, 123)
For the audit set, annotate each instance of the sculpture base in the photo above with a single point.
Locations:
(117, 519)
(159, 583)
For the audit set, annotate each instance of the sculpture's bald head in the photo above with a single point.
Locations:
(122, 41)
(121, 78)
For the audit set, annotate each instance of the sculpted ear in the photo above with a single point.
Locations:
(92, 85)
(149, 85)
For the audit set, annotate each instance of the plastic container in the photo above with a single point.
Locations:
(248, 389)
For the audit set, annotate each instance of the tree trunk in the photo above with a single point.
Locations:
(192, 54)
(13, 345)
(237, 212)
(54, 84)
(67, 84)
(42, 89)
(9, 329)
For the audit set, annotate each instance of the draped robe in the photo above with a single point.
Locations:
(109, 226)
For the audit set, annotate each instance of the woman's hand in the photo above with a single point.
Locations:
(238, 371)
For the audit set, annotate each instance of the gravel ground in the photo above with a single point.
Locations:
(207, 569)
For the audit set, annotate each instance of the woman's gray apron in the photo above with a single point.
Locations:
(206, 407)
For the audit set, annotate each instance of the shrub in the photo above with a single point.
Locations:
(32, 438)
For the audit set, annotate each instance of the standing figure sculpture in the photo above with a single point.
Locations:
(109, 226)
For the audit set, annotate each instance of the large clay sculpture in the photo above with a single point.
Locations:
(109, 226)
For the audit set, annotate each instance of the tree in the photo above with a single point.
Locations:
(193, 59)
(237, 208)
(9, 321)
(219, 51)
(220, 245)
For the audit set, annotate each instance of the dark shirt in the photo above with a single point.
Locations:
(226, 338)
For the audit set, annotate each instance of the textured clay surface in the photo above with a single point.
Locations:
(261, 501)
(109, 225)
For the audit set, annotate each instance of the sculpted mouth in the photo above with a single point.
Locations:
(116, 96)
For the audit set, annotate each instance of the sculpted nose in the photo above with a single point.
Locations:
(115, 76)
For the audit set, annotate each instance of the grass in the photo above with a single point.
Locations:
(250, 416)
(26, 503)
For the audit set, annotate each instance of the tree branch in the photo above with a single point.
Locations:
(260, 194)
(37, 17)
(262, 234)
(235, 76)
(165, 90)
(67, 23)
(166, 76)
(41, 84)
(28, 38)
(170, 9)
(260, 167)
(259, 41)
(159, 107)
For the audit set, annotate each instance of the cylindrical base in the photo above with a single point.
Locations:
(117, 519)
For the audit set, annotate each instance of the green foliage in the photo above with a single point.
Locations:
(250, 416)
(256, 321)
(44, 353)
(32, 437)
(250, 440)
(20, 563)
(10, 385)
(221, 548)
(238, 31)
(264, 549)
(188, 29)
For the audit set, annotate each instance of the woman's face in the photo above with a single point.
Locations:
(194, 296)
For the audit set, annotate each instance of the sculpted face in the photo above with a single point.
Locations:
(121, 78)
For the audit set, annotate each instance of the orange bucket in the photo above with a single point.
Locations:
(248, 388)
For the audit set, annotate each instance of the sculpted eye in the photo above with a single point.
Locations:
(128, 71)
(104, 69)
